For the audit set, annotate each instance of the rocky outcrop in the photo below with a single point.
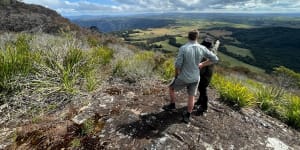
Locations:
(18, 16)
(129, 116)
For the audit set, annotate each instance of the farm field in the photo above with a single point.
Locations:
(168, 39)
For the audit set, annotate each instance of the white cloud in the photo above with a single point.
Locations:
(136, 6)
(80, 7)
(47, 3)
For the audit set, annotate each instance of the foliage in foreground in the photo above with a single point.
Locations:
(50, 61)
(292, 111)
(270, 99)
(274, 101)
(233, 92)
(168, 69)
(16, 59)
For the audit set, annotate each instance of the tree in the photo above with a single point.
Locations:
(94, 29)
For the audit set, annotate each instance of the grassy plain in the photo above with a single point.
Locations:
(239, 51)
(182, 27)
(166, 46)
(232, 62)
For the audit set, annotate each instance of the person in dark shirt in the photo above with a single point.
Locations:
(205, 76)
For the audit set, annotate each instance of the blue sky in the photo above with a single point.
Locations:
(105, 7)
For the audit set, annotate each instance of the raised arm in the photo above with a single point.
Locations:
(216, 47)
(212, 58)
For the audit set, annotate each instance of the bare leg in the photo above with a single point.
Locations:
(191, 103)
(172, 94)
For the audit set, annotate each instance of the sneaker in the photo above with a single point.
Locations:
(186, 117)
(169, 107)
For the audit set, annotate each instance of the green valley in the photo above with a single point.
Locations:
(263, 46)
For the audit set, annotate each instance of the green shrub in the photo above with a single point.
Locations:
(16, 59)
(168, 69)
(69, 68)
(73, 64)
(119, 68)
(74, 59)
(269, 99)
(93, 41)
(102, 55)
(137, 66)
(292, 111)
(75, 143)
(76, 67)
(68, 80)
(233, 92)
(87, 127)
(91, 81)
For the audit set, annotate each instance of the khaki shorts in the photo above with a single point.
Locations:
(191, 87)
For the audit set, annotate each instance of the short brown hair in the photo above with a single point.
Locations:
(193, 35)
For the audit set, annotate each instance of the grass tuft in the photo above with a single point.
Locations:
(292, 111)
(269, 99)
(138, 66)
(15, 60)
(233, 92)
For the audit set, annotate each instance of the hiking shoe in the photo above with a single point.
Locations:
(196, 107)
(186, 117)
(169, 107)
(202, 109)
(197, 103)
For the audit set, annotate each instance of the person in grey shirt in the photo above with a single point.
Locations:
(187, 66)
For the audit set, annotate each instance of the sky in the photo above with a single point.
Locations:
(111, 7)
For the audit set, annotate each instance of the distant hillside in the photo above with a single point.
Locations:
(18, 16)
(118, 24)
(156, 20)
(271, 47)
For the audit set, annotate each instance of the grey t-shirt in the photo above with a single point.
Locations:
(188, 59)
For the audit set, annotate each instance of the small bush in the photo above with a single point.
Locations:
(77, 65)
(91, 81)
(93, 41)
(137, 66)
(87, 127)
(73, 59)
(233, 92)
(16, 59)
(102, 55)
(292, 111)
(168, 69)
(270, 99)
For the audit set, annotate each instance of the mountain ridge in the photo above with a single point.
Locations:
(19, 17)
